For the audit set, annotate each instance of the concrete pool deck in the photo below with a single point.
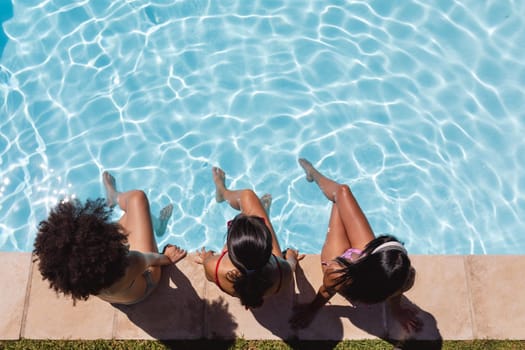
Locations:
(459, 297)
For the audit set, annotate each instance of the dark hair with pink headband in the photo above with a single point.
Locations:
(382, 270)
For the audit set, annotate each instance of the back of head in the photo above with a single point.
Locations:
(249, 245)
(79, 250)
(377, 274)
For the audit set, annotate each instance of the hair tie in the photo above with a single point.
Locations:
(392, 245)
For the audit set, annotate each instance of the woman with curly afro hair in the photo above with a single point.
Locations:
(82, 253)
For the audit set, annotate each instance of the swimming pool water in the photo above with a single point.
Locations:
(419, 107)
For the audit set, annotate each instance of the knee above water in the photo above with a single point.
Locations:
(139, 197)
(343, 191)
(248, 195)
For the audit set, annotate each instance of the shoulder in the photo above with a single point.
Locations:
(210, 264)
(226, 274)
(222, 264)
(281, 264)
(213, 261)
(137, 263)
(281, 269)
(135, 258)
(218, 266)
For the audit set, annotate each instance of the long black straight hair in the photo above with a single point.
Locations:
(374, 276)
(249, 244)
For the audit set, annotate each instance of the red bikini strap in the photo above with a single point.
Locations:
(217, 270)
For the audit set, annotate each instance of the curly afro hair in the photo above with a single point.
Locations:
(79, 250)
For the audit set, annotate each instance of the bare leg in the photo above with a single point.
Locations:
(328, 186)
(233, 197)
(266, 201)
(162, 222)
(336, 241)
(244, 200)
(111, 189)
(136, 220)
(357, 228)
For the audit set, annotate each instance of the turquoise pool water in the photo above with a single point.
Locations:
(419, 107)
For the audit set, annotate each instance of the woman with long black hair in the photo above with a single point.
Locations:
(356, 264)
(251, 265)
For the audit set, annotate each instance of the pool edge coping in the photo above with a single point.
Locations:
(38, 313)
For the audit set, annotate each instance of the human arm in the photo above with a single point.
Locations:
(170, 255)
(292, 256)
(156, 259)
(208, 260)
(286, 267)
(303, 314)
(140, 261)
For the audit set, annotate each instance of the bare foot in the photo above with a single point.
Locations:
(111, 189)
(328, 186)
(308, 169)
(164, 216)
(174, 253)
(266, 201)
(219, 178)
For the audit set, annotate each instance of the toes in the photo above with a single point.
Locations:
(218, 172)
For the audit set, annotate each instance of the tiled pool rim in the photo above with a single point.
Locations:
(460, 297)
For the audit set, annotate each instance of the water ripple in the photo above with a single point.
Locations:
(419, 107)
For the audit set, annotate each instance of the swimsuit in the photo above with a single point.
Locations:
(351, 254)
(150, 286)
(217, 272)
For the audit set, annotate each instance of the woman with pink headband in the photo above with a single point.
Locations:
(356, 264)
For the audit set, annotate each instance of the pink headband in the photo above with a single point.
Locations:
(392, 245)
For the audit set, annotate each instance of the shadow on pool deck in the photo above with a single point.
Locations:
(450, 291)
(372, 319)
(176, 311)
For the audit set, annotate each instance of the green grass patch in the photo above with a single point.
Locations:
(241, 344)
